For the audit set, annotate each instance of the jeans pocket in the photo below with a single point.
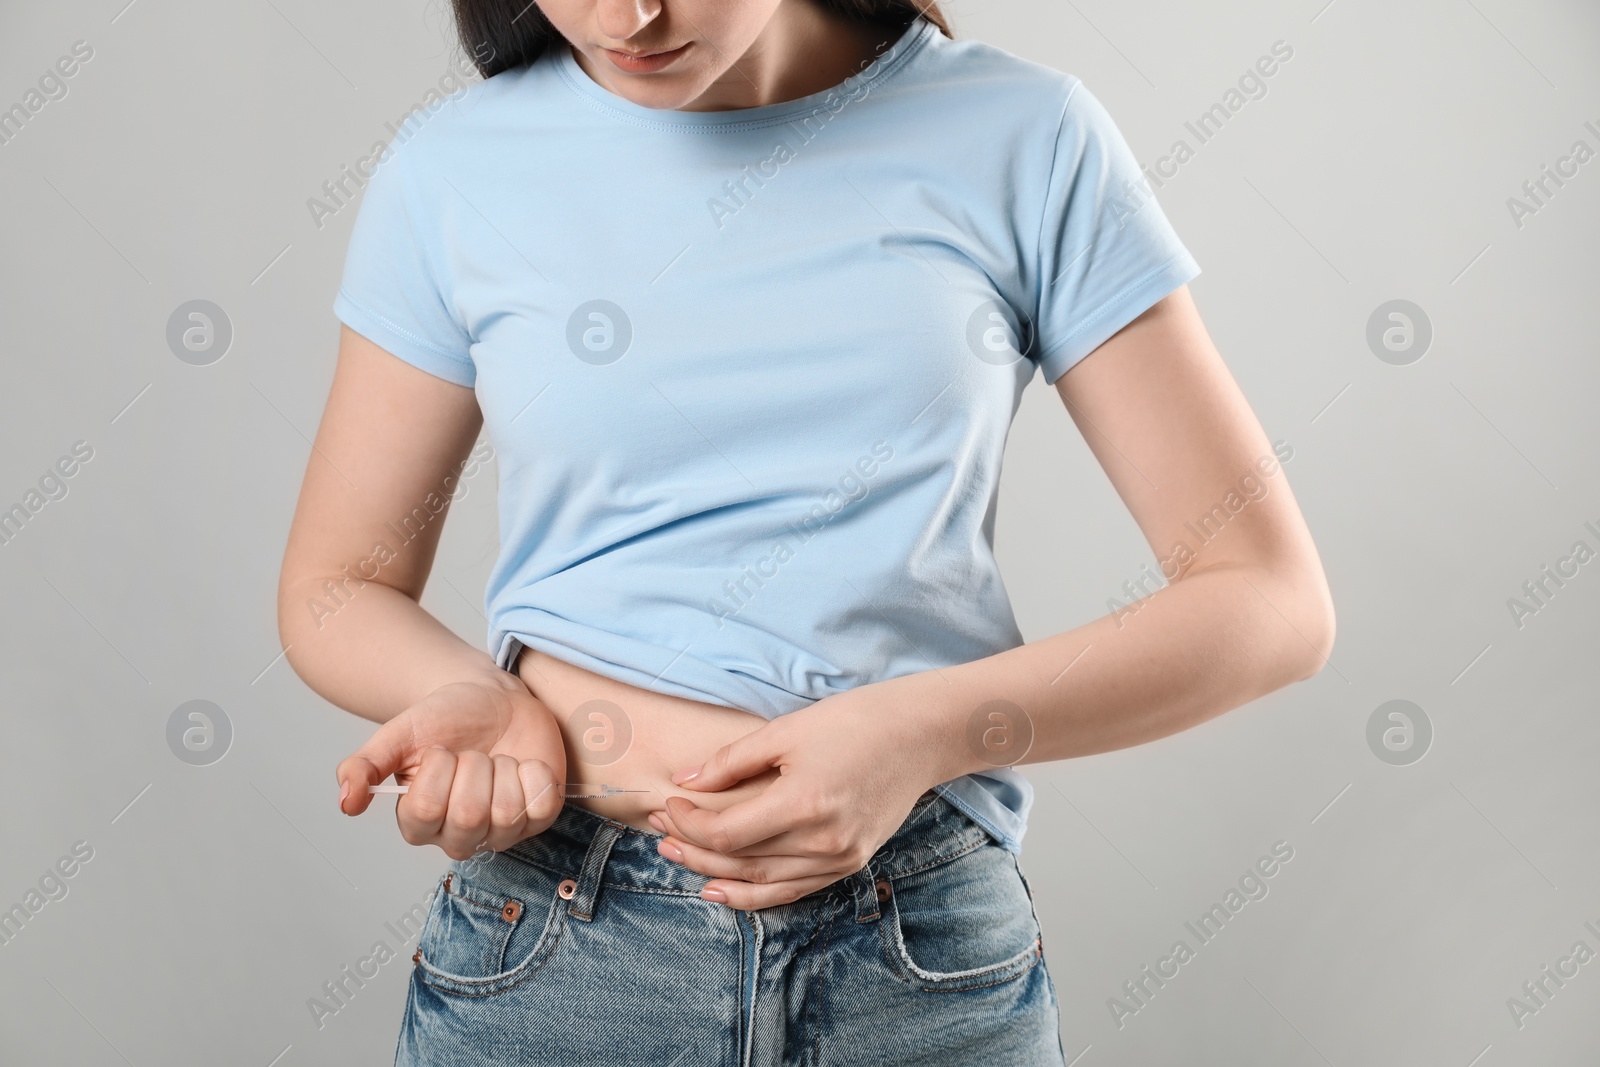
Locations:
(965, 924)
(493, 923)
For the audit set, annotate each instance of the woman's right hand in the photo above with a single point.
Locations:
(484, 763)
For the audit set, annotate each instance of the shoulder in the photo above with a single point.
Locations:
(443, 127)
(992, 78)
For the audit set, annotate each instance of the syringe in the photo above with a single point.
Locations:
(570, 790)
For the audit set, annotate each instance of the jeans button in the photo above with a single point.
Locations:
(883, 890)
(567, 888)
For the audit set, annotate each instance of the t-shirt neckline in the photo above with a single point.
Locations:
(883, 66)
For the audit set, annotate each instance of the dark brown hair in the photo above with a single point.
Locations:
(502, 34)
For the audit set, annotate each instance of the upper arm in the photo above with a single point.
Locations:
(1174, 433)
(385, 462)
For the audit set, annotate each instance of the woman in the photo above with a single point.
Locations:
(746, 295)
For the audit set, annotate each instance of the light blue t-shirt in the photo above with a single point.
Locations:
(749, 373)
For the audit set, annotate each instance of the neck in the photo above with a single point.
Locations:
(803, 49)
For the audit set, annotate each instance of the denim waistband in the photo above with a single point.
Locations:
(595, 851)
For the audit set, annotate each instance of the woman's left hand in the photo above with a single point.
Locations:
(850, 768)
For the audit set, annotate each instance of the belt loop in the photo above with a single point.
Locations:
(864, 884)
(871, 891)
(594, 865)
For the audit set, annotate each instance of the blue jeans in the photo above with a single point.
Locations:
(582, 947)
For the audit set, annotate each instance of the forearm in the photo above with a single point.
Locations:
(1206, 643)
(373, 651)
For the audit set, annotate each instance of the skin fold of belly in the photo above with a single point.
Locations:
(617, 734)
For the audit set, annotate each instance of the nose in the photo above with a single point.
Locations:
(622, 19)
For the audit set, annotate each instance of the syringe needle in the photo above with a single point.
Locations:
(577, 789)
(570, 790)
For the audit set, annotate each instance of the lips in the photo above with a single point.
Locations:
(645, 62)
(642, 55)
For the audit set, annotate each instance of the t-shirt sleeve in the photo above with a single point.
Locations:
(1106, 250)
(390, 292)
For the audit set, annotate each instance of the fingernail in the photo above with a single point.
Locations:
(686, 776)
(715, 895)
(671, 851)
(655, 821)
(344, 791)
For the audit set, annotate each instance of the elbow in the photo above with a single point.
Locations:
(285, 636)
(286, 628)
(1315, 627)
(292, 612)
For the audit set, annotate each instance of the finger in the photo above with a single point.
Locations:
(755, 752)
(743, 824)
(508, 812)
(543, 799)
(756, 870)
(742, 896)
(798, 841)
(389, 748)
(662, 820)
(466, 820)
(420, 812)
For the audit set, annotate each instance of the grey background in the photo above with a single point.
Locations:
(1377, 167)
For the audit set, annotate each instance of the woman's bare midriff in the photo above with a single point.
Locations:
(617, 734)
